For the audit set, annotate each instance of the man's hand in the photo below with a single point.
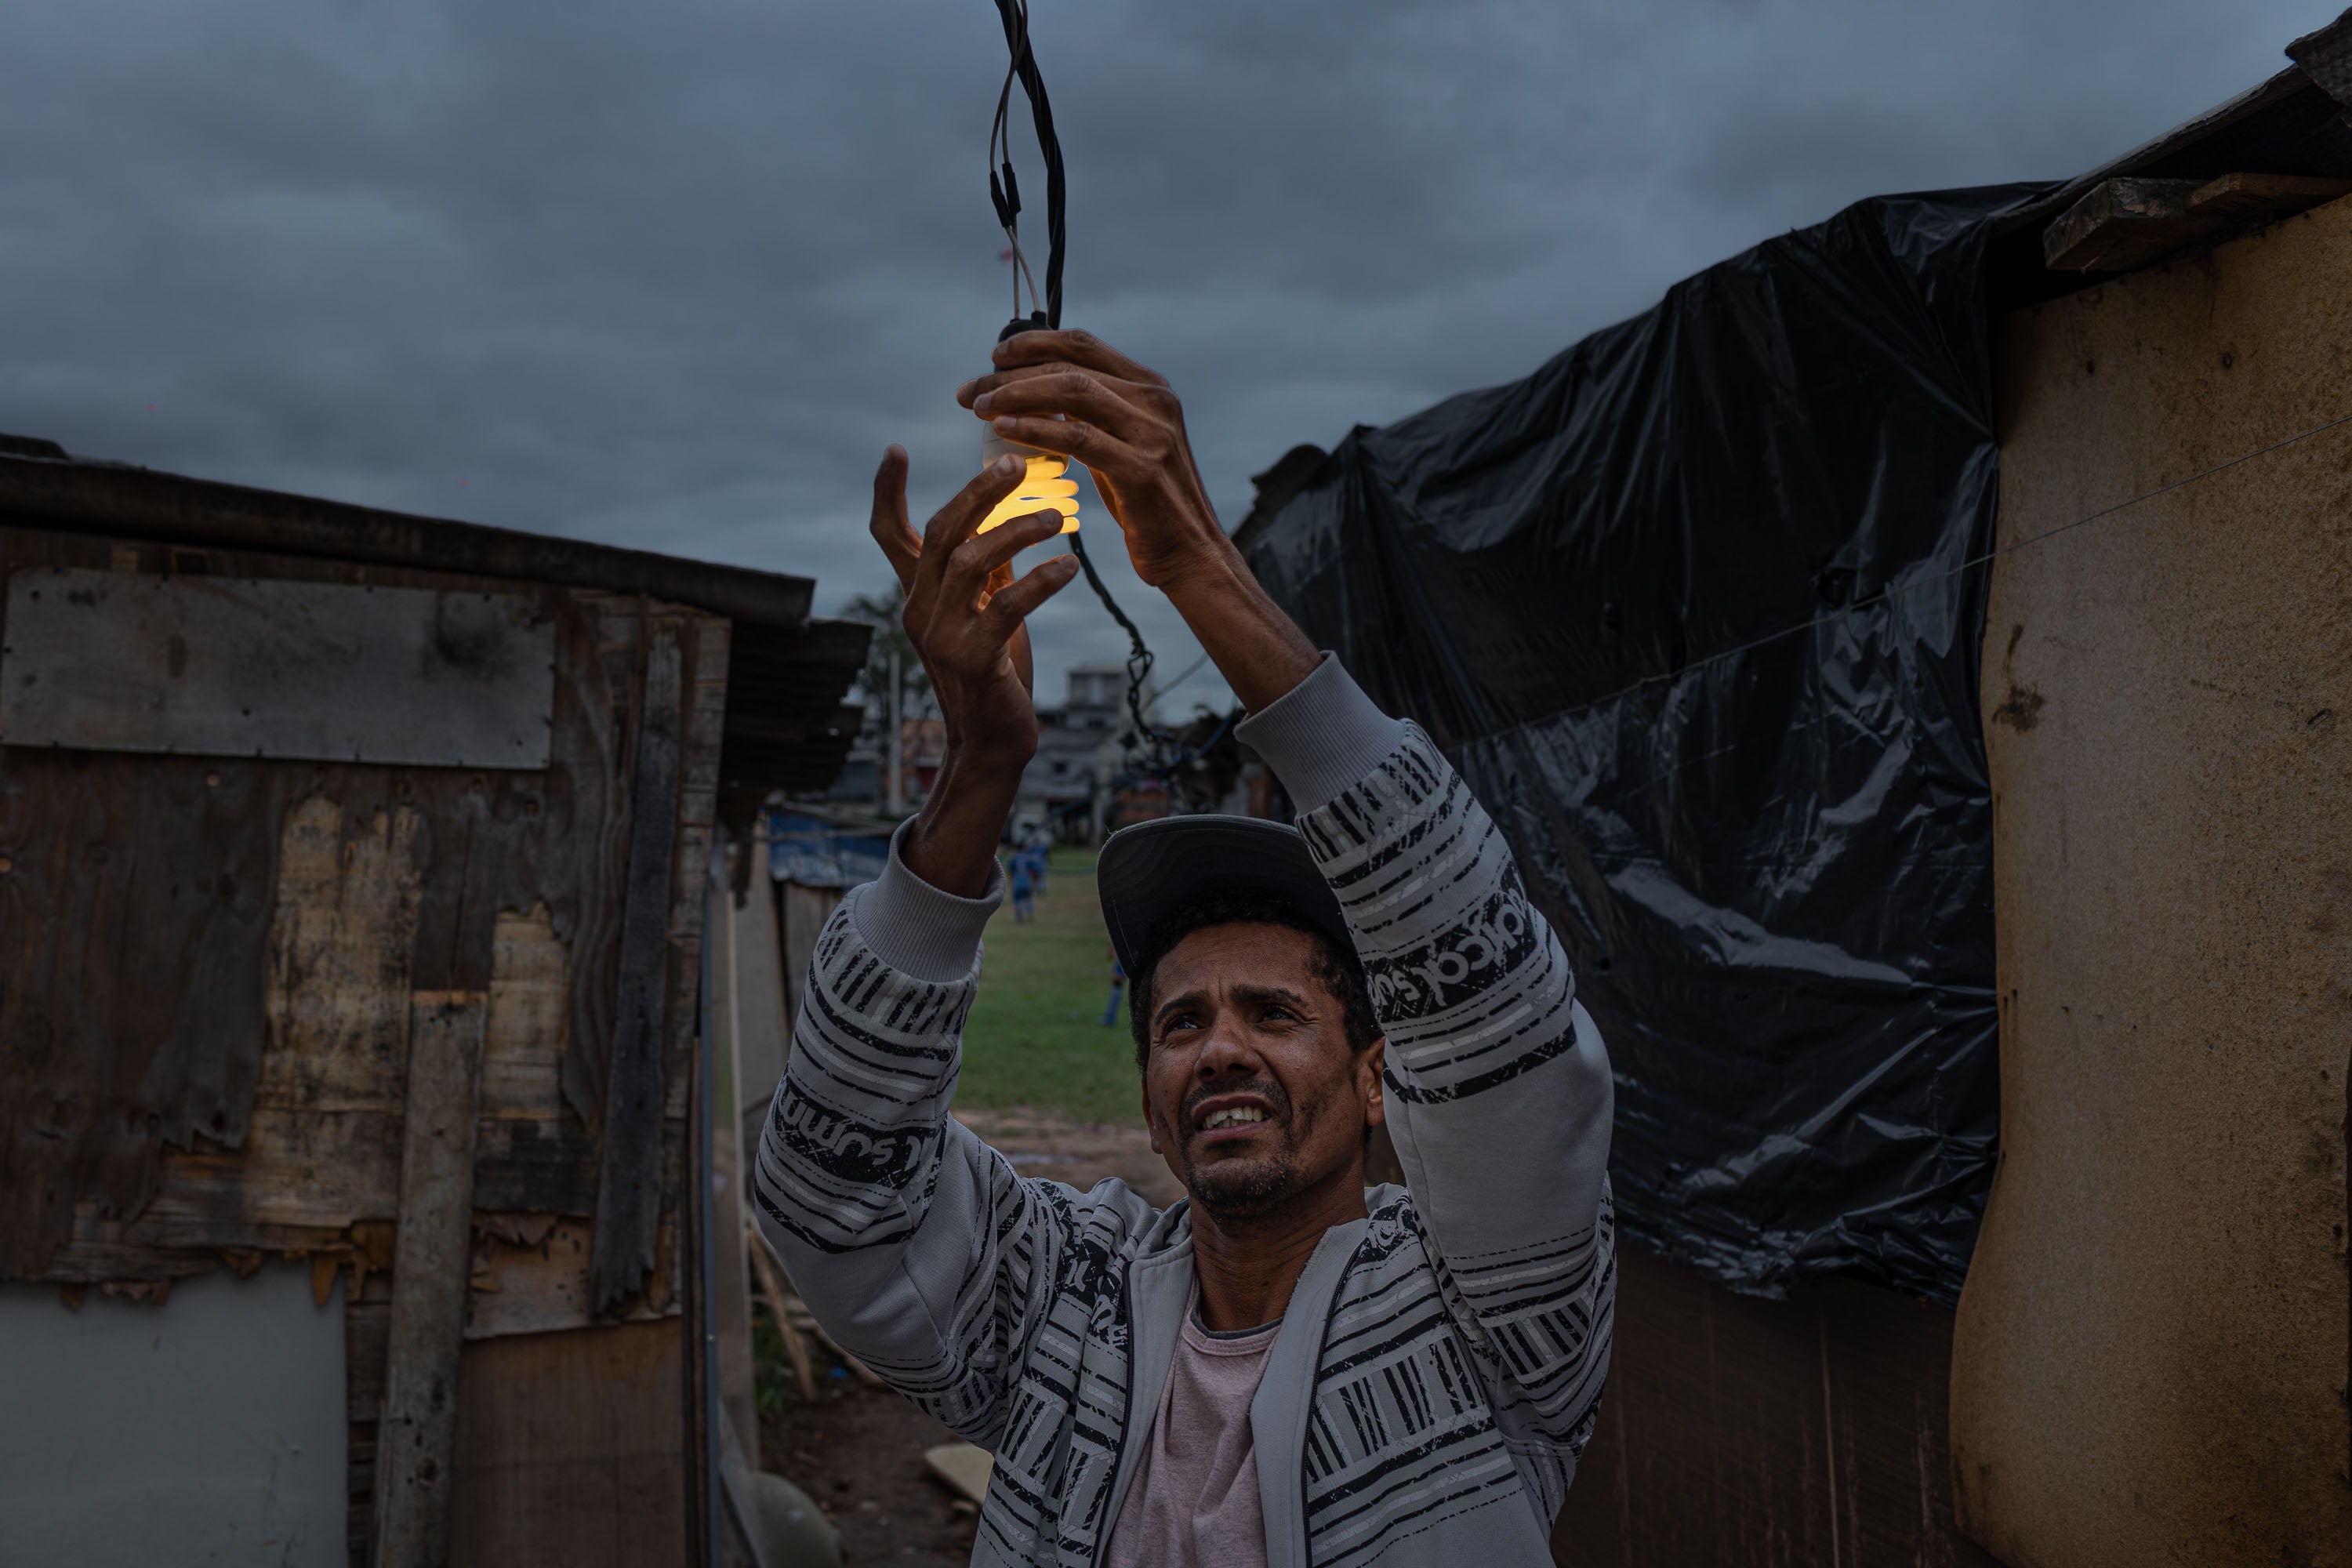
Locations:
(1125, 424)
(1068, 392)
(965, 613)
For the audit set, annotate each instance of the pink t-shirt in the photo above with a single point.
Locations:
(1193, 1500)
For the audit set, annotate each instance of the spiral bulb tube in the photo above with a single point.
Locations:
(1043, 488)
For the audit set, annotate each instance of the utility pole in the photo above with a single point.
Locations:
(897, 804)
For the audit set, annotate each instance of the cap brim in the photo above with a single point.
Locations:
(1153, 868)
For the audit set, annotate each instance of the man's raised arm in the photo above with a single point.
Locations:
(1498, 1091)
(912, 1242)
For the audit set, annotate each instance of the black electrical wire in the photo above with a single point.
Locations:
(1015, 15)
(1138, 657)
(1004, 194)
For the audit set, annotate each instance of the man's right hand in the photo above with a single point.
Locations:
(1071, 393)
(965, 614)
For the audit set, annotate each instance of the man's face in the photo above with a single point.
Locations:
(1250, 1090)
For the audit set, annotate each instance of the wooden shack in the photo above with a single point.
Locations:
(353, 875)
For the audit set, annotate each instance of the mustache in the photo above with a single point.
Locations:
(1265, 1089)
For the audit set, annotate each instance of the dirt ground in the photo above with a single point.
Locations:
(1042, 1143)
(858, 1451)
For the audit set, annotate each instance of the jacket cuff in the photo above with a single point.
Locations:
(1321, 736)
(919, 930)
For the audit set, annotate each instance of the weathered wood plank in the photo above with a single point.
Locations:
(339, 939)
(1740, 1433)
(142, 916)
(778, 1297)
(2325, 57)
(110, 497)
(570, 1449)
(761, 1008)
(2235, 199)
(302, 1181)
(116, 662)
(2125, 222)
(322, 1150)
(417, 1437)
(538, 1287)
(628, 1188)
(367, 1347)
(687, 1167)
(2120, 223)
(530, 982)
(731, 1306)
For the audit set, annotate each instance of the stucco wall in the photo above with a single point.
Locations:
(2151, 1355)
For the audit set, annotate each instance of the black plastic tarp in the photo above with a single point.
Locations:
(1696, 610)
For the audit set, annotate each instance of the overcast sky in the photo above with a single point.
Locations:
(672, 275)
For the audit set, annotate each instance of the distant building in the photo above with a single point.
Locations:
(864, 776)
(1067, 784)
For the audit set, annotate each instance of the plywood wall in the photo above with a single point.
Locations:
(2151, 1357)
(1738, 1433)
(568, 1450)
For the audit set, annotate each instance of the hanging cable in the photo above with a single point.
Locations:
(1143, 735)
(1141, 732)
(1005, 192)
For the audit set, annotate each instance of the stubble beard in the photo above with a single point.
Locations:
(1240, 1190)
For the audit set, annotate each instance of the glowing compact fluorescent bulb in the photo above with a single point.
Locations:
(1041, 488)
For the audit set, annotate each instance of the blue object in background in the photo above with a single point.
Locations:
(820, 854)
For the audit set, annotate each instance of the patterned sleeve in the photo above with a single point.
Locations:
(1497, 1090)
(912, 1242)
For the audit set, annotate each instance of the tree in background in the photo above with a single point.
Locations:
(883, 613)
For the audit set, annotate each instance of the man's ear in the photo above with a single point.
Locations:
(1368, 1078)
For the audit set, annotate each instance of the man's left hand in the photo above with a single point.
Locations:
(1071, 393)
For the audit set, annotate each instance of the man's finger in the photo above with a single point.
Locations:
(1024, 663)
(976, 561)
(1077, 440)
(973, 390)
(968, 506)
(1076, 394)
(890, 525)
(1078, 347)
(1009, 609)
(953, 523)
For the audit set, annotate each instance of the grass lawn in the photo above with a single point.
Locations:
(1036, 1036)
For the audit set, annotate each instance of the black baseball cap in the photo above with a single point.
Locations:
(1153, 867)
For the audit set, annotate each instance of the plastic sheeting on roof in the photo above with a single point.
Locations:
(1697, 610)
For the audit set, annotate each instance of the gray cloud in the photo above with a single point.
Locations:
(673, 276)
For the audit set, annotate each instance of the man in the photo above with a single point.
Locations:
(1117, 989)
(1021, 906)
(1283, 1369)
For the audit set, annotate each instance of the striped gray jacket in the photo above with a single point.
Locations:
(1440, 1365)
